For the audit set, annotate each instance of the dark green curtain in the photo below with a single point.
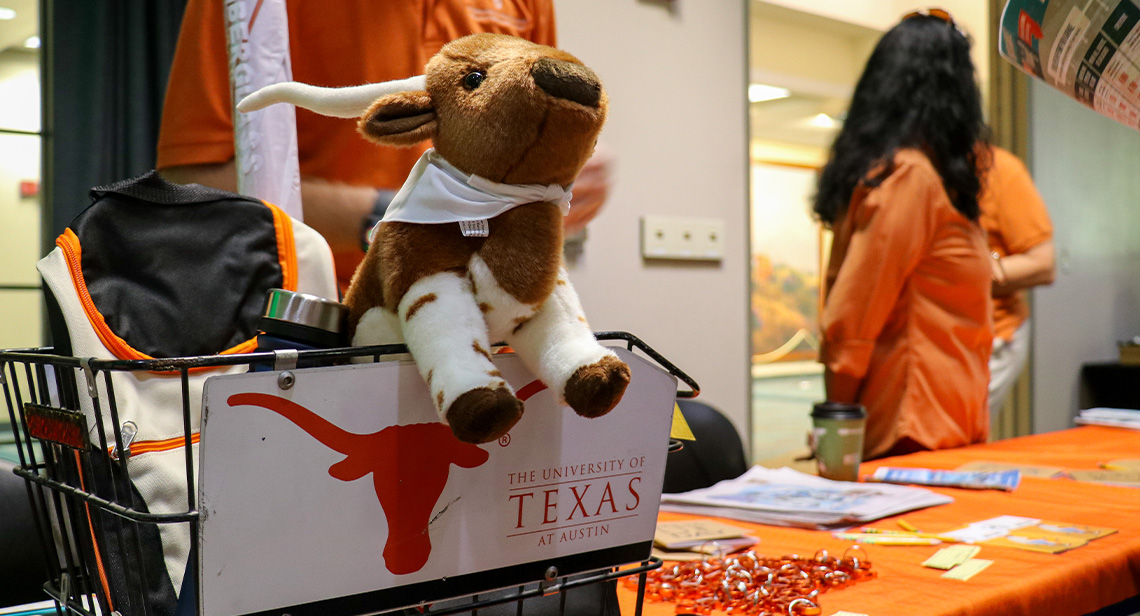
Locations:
(105, 65)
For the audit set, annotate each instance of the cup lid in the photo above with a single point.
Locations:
(838, 410)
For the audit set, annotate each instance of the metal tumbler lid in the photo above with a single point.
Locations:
(305, 309)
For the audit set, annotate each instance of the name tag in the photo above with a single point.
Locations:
(474, 228)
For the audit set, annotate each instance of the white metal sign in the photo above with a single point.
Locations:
(344, 493)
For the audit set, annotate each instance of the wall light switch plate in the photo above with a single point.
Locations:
(690, 239)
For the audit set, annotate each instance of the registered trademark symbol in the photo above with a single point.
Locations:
(504, 440)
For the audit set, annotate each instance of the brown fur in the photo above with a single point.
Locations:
(419, 303)
(480, 350)
(401, 248)
(362, 296)
(484, 414)
(516, 236)
(593, 390)
(539, 139)
(534, 119)
(406, 117)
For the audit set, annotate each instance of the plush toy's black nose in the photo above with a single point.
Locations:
(567, 80)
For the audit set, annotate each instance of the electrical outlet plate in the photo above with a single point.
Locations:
(690, 239)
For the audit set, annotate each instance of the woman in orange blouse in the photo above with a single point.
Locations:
(907, 317)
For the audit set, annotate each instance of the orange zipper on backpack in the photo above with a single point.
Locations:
(68, 242)
(133, 448)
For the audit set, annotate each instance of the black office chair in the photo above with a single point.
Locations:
(23, 567)
(716, 455)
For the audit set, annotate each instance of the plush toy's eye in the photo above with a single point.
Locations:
(474, 79)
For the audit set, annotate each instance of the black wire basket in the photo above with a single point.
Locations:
(90, 522)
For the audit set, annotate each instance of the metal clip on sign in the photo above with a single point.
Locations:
(285, 359)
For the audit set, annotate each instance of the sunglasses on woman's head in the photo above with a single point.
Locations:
(934, 12)
(939, 14)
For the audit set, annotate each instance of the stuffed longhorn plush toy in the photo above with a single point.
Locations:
(470, 250)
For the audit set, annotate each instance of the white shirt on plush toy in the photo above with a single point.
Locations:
(436, 192)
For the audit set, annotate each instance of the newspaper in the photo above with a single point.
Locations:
(1088, 49)
(786, 497)
(1006, 480)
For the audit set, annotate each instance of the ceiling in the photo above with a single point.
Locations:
(816, 49)
(13, 32)
(817, 59)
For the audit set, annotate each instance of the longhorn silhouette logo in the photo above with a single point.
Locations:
(409, 466)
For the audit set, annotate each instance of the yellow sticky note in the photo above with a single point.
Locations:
(681, 428)
(968, 569)
(948, 558)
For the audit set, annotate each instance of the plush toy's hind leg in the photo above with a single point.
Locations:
(558, 346)
(445, 332)
(378, 326)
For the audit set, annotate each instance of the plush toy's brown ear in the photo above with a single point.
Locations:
(405, 118)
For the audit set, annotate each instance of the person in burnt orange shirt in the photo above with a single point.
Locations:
(907, 316)
(341, 43)
(1021, 244)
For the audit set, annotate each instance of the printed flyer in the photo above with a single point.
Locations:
(1089, 50)
(1029, 534)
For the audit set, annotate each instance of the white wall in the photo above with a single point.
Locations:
(676, 76)
(19, 216)
(1085, 167)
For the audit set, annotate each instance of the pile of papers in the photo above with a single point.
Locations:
(1119, 418)
(786, 497)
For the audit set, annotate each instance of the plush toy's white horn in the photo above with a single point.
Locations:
(349, 102)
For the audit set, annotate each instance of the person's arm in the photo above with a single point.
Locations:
(1024, 233)
(591, 188)
(336, 211)
(1034, 267)
(222, 176)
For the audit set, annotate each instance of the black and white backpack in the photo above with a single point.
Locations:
(155, 270)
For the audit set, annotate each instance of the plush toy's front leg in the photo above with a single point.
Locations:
(558, 346)
(446, 334)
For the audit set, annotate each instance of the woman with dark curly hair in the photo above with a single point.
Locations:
(906, 321)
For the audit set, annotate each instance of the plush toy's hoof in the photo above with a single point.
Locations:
(592, 391)
(483, 415)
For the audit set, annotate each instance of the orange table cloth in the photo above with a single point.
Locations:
(1019, 582)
